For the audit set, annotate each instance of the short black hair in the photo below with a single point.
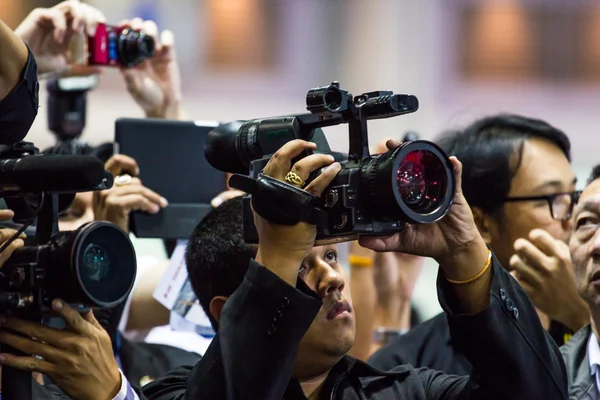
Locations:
(217, 257)
(594, 175)
(491, 151)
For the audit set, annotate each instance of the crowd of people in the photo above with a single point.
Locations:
(518, 276)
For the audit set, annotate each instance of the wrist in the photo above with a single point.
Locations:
(285, 264)
(464, 263)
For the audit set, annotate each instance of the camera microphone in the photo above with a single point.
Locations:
(51, 173)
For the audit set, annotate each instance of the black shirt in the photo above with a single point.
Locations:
(19, 108)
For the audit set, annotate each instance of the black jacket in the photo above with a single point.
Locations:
(582, 385)
(426, 345)
(262, 323)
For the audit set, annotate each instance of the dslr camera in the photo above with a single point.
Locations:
(119, 46)
(371, 195)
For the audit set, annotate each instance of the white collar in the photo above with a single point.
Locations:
(594, 353)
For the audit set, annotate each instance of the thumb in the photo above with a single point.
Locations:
(457, 169)
(91, 318)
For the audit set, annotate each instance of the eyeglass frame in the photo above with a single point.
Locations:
(550, 198)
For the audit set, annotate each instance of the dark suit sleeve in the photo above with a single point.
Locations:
(253, 353)
(513, 357)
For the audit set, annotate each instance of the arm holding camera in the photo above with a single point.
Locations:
(127, 195)
(155, 84)
(79, 359)
(482, 301)
(48, 33)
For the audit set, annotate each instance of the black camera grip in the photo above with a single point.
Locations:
(279, 202)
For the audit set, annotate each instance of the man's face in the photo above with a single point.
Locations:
(544, 170)
(331, 334)
(585, 244)
(80, 212)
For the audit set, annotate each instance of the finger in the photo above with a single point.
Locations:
(91, 318)
(72, 317)
(307, 165)
(525, 272)
(92, 17)
(547, 244)
(120, 164)
(6, 215)
(27, 364)
(167, 41)
(457, 169)
(141, 190)
(136, 24)
(30, 346)
(35, 330)
(82, 70)
(72, 9)
(150, 29)
(133, 202)
(6, 233)
(281, 162)
(318, 186)
(58, 21)
(533, 256)
(6, 253)
(392, 144)
(378, 243)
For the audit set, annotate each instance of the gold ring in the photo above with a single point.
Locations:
(293, 179)
(122, 180)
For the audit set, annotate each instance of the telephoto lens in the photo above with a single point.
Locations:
(135, 46)
(413, 183)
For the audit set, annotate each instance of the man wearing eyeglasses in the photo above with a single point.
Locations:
(518, 180)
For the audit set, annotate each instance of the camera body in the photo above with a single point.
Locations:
(119, 46)
(371, 195)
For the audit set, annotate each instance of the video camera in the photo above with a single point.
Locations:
(371, 195)
(94, 266)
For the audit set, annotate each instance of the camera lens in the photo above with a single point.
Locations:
(412, 183)
(134, 47)
(96, 263)
(104, 264)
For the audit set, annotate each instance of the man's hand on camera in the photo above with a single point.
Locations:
(282, 248)
(7, 233)
(115, 204)
(542, 265)
(155, 84)
(48, 33)
(78, 359)
(454, 242)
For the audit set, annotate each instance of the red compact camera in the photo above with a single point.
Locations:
(119, 46)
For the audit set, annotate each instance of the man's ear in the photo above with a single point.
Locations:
(484, 224)
(216, 306)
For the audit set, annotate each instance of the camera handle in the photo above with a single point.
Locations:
(279, 202)
(17, 384)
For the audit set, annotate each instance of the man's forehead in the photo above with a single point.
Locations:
(590, 198)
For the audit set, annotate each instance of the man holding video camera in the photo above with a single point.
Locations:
(284, 337)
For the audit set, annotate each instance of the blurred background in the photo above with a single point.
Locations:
(463, 59)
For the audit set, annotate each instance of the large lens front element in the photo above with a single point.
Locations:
(104, 264)
(96, 263)
(412, 183)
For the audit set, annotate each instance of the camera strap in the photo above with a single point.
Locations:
(280, 202)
